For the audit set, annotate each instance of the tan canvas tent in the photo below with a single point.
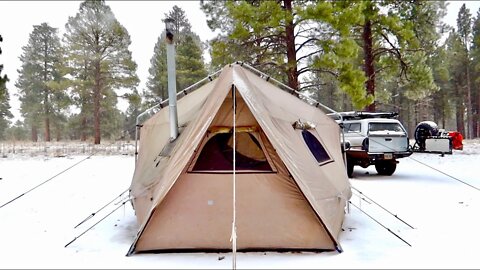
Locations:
(291, 185)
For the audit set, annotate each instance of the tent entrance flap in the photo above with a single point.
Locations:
(216, 154)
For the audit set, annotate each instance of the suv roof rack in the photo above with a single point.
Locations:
(356, 115)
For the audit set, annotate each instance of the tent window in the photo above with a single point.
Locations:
(317, 149)
(217, 154)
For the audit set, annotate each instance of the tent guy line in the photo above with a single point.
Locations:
(103, 207)
(446, 174)
(53, 177)
(378, 222)
(293, 91)
(383, 208)
(433, 168)
(44, 182)
(95, 224)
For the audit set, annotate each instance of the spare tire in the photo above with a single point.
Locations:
(424, 130)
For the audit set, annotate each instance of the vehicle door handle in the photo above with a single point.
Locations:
(388, 139)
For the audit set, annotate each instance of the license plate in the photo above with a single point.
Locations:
(387, 156)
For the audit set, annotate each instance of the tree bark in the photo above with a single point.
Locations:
(83, 96)
(47, 129)
(34, 133)
(291, 52)
(443, 118)
(459, 116)
(369, 62)
(469, 130)
(96, 103)
(477, 122)
(58, 133)
(83, 136)
(46, 116)
(45, 96)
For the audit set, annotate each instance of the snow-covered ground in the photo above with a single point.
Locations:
(426, 192)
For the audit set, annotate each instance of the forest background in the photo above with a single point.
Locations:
(79, 81)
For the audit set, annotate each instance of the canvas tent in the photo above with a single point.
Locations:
(291, 185)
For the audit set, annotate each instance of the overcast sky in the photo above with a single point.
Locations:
(142, 19)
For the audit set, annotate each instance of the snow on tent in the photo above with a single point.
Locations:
(288, 184)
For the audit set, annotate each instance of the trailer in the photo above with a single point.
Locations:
(430, 139)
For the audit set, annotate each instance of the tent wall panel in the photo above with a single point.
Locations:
(197, 214)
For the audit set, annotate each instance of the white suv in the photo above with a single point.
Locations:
(373, 139)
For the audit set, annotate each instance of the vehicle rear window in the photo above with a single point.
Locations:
(351, 127)
(385, 127)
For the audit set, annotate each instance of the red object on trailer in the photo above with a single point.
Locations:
(457, 139)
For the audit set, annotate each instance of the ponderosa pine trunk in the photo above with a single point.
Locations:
(45, 95)
(469, 131)
(460, 108)
(34, 133)
(369, 61)
(291, 50)
(477, 122)
(83, 136)
(96, 103)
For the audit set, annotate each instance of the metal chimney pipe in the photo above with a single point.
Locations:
(172, 84)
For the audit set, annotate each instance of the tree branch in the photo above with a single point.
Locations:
(310, 85)
(396, 51)
(325, 71)
(306, 42)
(308, 55)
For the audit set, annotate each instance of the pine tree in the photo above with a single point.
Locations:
(391, 49)
(41, 84)
(5, 113)
(100, 60)
(17, 132)
(456, 55)
(442, 106)
(289, 39)
(190, 67)
(464, 26)
(418, 98)
(476, 69)
(133, 110)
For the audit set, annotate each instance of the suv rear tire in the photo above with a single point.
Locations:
(385, 167)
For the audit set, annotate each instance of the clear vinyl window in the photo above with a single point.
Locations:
(316, 147)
